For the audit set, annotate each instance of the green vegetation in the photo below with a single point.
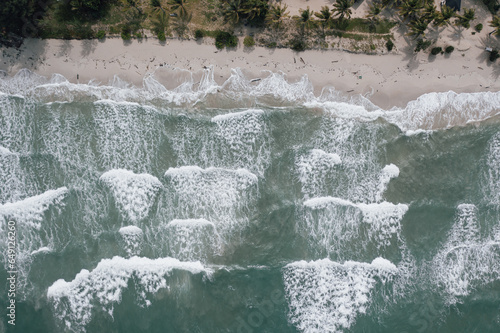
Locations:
(444, 17)
(220, 18)
(492, 5)
(409, 9)
(249, 41)
(276, 15)
(199, 34)
(436, 50)
(417, 27)
(101, 34)
(20, 17)
(161, 36)
(126, 32)
(298, 45)
(449, 49)
(495, 23)
(82, 10)
(251, 11)
(478, 27)
(422, 44)
(465, 19)
(389, 45)
(225, 39)
(342, 9)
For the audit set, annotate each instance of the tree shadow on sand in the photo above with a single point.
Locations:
(32, 53)
(409, 49)
(484, 57)
(88, 47)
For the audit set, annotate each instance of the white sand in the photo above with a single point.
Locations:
(394, 79)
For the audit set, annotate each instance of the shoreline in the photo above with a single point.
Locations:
(395, 78)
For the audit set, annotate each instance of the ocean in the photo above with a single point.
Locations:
(249, 206)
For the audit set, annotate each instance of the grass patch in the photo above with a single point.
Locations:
(365, 25)
(249, 41)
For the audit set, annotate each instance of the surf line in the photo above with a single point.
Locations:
(11, 272)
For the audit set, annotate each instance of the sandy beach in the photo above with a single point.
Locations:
(387, 79)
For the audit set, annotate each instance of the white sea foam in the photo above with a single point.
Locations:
(314, 168)
(134, 193)
(5, 151)
(241, 114)
(430, 111)
(491, 178)
(102, 288)
(243, 134)
(128, 135)
(234, 140)
(30, 211)
(222, 196)
(388, 172)
(132, 238)
(357, 145)
(326, 296)
(12, 183)
(339, 227)
(272, 84)
(466, 262)
(44, 249)
(191, 239)
(34, 230)
(445, 110)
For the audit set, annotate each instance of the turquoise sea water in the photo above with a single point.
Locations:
(247, 207)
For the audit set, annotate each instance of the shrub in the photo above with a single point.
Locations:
(199, 34)
(298, 45)
(272, 45)
(492, 5)
(449, 49)
(101, 34)
(249, 41)
(494, 55)
(389, 45)
(422, 44)
(126, 32)
(478, 27)
(138, 35)
(223, 38)
(373, 47)
(83, 31)
(436, 50)
(161, 36)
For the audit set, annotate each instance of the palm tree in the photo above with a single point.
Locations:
(465, 19)
(157, 7)
(325, 17)
(374, 10)
(342, 9)
(276, 15)
(176, 4)
(180, 24)
(410, 8)
(430, 11)
(444, 16)
(254, 8)
(417, 27)
(160, 23)
(305, 19)
(232, 11)
(495, 23)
